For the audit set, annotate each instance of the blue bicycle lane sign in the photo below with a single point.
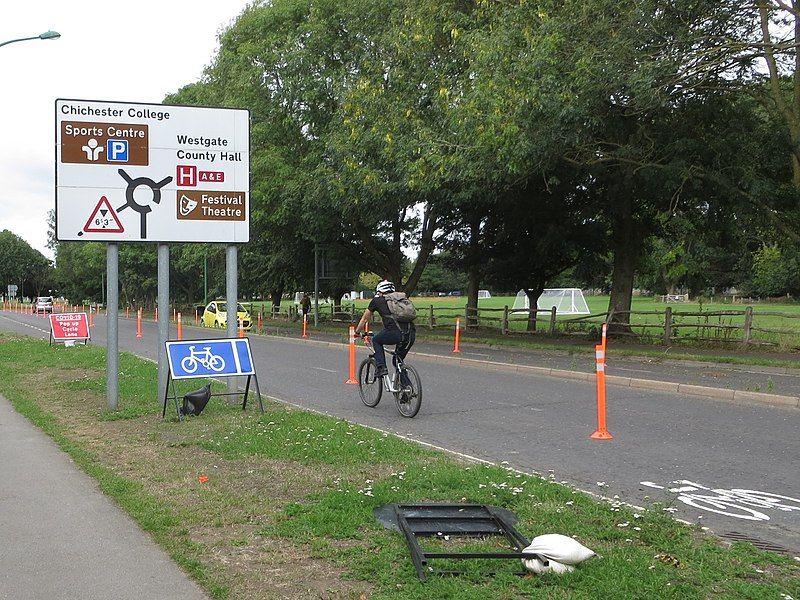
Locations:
(210, 358)
(215, 358)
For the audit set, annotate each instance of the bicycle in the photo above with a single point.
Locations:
(408, 397)
(210, 361)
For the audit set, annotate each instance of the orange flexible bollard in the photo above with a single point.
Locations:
(260, 322)
(602, 432)
(241, 328)
(352, 350)
(180, 326)
(127, 312)
(457, 344)
(139, 323)
(155, 316)
(91, 317)
(305, 326)
(174, 314)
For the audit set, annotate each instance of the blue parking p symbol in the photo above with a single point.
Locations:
(117, 150)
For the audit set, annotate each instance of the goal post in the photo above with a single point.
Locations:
(567, 301)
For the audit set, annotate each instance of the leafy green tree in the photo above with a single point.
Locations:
(443, 273)
(773, 273)
(538, 233)
(23, 266)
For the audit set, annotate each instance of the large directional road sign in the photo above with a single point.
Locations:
(151, 173)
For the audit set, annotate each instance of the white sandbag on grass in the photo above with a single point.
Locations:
(546, 566)
(560, 551)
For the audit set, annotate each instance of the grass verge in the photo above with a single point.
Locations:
(286, 511)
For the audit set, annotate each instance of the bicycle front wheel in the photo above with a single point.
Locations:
(370, 387)
(409, 400)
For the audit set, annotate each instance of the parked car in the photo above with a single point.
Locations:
(216, 315)
(44, 304)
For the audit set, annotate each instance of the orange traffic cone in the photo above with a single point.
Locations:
(352, 350)
(457, 344)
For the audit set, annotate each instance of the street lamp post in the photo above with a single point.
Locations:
(47, 35)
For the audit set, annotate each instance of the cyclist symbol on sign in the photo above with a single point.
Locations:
(142, 209)
(209, 361)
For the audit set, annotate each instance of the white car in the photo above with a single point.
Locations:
(44, 304)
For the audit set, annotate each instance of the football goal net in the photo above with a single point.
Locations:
(568, 301)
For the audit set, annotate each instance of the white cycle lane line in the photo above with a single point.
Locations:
(735, 502)
(28, 325)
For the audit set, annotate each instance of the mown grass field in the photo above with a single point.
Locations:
(287, 510)
(774, 325)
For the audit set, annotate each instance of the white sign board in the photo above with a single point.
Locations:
(151, 173)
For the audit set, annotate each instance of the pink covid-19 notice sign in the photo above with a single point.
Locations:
(69, 326)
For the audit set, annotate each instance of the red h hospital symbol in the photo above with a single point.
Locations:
(186, 175)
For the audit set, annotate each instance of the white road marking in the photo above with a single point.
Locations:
(26, 325)
(326, 370)
(736, 502)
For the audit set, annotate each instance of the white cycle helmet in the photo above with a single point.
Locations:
(385, 287)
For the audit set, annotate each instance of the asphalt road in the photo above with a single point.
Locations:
(542, 424)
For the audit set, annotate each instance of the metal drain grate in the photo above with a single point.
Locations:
(736, 536)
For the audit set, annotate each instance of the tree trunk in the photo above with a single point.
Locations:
(619, 304)
(275, 298)
(626, 245)
(338, 292)
(473, 282)
(473, 274)
(533, 295)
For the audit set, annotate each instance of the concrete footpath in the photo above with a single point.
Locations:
(62, 539)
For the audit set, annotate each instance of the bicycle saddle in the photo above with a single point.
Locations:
(194, 402)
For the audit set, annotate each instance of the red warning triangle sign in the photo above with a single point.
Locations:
(103, 219)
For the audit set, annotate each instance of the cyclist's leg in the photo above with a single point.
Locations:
(409, 337)
(381, 339)
(406, 341)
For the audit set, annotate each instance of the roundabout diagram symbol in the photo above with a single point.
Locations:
(131, 202)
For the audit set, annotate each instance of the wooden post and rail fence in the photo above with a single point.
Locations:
(748, 326)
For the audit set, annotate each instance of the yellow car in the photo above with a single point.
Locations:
(216, 315)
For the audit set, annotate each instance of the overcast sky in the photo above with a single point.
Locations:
(131, 52)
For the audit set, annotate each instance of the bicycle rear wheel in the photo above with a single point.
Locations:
(370, 388)
(409, 401)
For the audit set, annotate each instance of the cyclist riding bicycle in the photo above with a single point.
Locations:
(401, 334)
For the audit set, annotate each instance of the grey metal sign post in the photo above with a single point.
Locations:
(231, 293)
(112, 329)
(163, 314)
